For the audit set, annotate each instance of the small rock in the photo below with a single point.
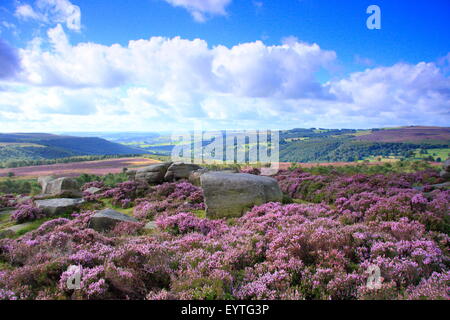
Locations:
(52, 207)
(106, 220)
(93, 190)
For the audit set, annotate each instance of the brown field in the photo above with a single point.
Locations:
(100, 167)
(408, 134)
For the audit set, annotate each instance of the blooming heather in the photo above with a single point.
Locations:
(322, 249)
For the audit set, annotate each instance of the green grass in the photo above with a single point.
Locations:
(107, 203)
(37, 223)
(200, 213)
(300, 201)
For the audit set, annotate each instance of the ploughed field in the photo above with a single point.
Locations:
(319, 243)
(100, 167)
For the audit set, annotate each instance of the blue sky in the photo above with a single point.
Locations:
(99, 65)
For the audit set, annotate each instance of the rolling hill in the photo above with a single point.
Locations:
(336, 145)
(35, 146)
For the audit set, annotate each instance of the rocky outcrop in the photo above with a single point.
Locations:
(152, 174)
(232, 194)
(52, 207)
(59, 187)
(106, 219)
(166, 171)
(180, 170)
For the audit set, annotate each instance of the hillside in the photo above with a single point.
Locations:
(34, 146)
(335, 145)
(331, 145)
(408, 134)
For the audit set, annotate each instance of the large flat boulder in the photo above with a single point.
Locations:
(107, 219)
(233, 194)
(60, 187)
(180, 170)
(152, 174)
(52, 207)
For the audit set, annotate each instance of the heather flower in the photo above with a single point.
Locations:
(26, 212)
(437, 287)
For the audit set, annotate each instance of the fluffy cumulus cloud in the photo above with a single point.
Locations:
(179, 69)
(52, 12)
(162, 83)
(202, 9)
(403, 91)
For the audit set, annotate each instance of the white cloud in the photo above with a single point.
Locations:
(201, 9)
(26, 12)
(161, 83)
(403, 91)
(178, 69)
(52, 12)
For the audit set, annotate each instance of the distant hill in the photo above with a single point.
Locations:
(296, 145)
(408, 134)
(34, 146)
(334, 145)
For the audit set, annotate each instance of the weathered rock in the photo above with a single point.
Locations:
(53, 207)
(194, 176)
(93, 190)
(180, 170)
(11, 231)
(107, 219)
(445, 185)
(43, 182)
(154, 173)
(60, 187)
(232, 194)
